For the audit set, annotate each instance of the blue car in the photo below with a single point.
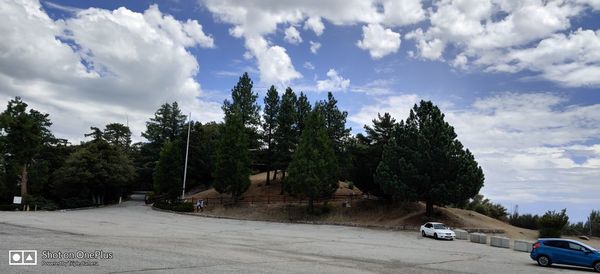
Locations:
(562, 251)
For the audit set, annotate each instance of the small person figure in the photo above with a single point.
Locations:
(198, 205)
(201, 205)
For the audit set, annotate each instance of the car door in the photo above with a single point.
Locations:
(429, 229)
(577, 255)
(556, 250)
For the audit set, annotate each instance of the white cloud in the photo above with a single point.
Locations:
(494, 35)
(460, 61)
(400, 13)
(526, 143)
(314, 47)
(107, 65)
(274, 64)
(397, 105)
(256, 19)
(315, 24)
(530, 145)
(334, 82)
(379, 41)
(309, 65)
(292, 35)
(571, 60)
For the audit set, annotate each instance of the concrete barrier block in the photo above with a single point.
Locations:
(498, 241)
(523, 245)
(479, 238)
(461, 234)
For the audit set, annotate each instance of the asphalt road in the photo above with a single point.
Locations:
(140, 239)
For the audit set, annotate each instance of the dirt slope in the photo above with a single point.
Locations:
(364, 212)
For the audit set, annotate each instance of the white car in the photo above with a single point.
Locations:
(437, 231)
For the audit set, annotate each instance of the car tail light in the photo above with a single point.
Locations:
(536, 245)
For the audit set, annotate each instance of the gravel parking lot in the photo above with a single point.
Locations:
(140, 239)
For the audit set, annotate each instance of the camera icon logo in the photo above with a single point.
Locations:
(22, 257)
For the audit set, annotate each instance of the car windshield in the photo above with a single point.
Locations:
(588, 247)
(439, 226)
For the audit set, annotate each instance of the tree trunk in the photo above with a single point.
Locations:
(429, 208)
(268, 175)
(282, 184)
(274, 174)
(24, 181)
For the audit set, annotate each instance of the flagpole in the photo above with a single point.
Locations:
(187, 149)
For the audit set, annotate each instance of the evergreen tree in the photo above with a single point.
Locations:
(313, 170)
(24, 136)
(244, 103)
(286, 134)
(366, 153)
(270, 115)
(303, 109)
(96, 172)
(232, 160)
(168, 173)
(166, 125)
(335, 123)
(203, 141)
(424, 161)
(118, 134)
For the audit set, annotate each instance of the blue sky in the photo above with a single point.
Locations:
(519, 80)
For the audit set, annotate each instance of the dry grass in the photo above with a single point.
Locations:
(362, 212)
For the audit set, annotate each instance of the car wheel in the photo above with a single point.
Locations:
(435, 236)
(544, 261)
(423, 233)
(597, 266)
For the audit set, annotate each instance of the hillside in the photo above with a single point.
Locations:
(363, 212)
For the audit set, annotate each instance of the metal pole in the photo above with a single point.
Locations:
(187, 149)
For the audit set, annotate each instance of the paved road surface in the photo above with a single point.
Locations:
(143, 240)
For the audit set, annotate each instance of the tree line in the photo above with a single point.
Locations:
(307, 147)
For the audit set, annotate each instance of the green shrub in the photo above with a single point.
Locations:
(179, 207)
(75, 202)
(528, 221)
(41, 203)
(183, 207)
(8, 207)
(350, 185)
(552, 223)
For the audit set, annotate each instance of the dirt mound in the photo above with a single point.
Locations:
(259, 188)
(363, 212)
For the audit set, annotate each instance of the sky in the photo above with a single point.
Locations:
(518, 80)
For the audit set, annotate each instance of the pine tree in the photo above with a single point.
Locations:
(232, 160)
(118, 134)
(313, 170)
(367, 150)
(166, 125)
(335, 123)
(169, 171)
(303, 109)
(270, 115)
(424, 161)
(244, 103)
(286, 134)
(25, 134)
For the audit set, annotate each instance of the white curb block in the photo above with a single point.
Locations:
(523, 245)
(461, 234)
(479, 238)
(499, 241)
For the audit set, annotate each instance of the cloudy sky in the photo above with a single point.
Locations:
(519, 80)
